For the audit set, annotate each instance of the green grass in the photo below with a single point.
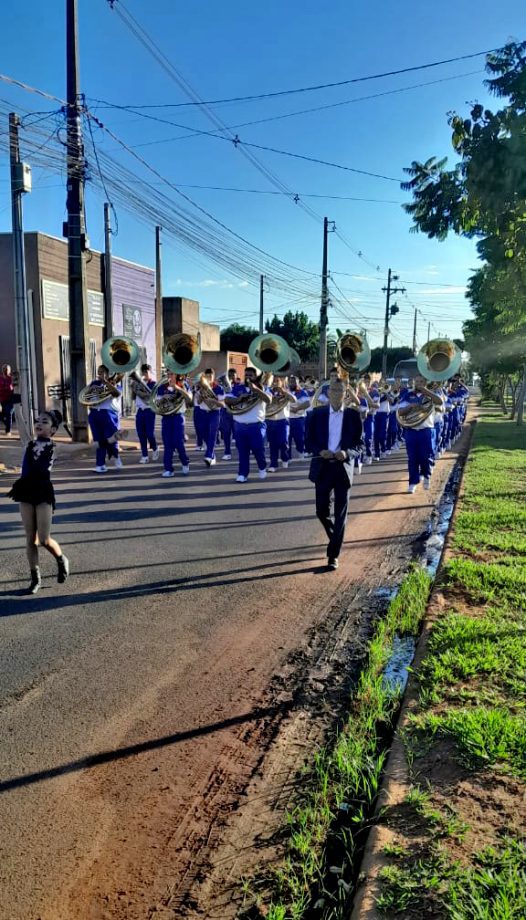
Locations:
(472, 690)
(345, 778)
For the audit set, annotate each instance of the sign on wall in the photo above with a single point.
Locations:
(55, 303)
(132, 321)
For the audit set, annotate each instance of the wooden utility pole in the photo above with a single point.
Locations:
(20, 183)
(261, 297)
(324, 318)
(389, 311)
(76, 230)
(158, 304)
(108, 291)
(414, 333)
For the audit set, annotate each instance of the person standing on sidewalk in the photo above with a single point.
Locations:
(7, 392)
(334, 437)
(36, 495)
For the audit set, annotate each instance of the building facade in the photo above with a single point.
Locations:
(133, 310)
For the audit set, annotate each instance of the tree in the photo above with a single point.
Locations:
(484, 197)
(299, 331)
(237, 338)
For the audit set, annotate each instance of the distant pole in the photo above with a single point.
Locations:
(261, 298)
(108, 290)
(23, 350)
(414, 333)
(158, 303)
(388, 312)
(428, 331)
(322, 370)
(76, 230)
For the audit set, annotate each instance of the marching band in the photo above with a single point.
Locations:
(340, 423)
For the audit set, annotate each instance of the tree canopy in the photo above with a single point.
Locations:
(237, 337)
(483, 197)
(299, 331)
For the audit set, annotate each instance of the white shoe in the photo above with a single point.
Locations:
(285, 464)
(117, 463)
(262, 474)
(388, 453)
(186, 470)
(210, 461)
(427, 484)
(144, 460)
(167, 474)
(411, 490)
(377, 459)
(271, 469)
(368, 461)
(200, 448)
(359, 468)
(155, 454)
(242, 479)
(100, 469)
(226, 457)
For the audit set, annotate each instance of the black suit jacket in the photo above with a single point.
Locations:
(317, 439)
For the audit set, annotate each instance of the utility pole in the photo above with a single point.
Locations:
(108, 290)
(324, 318)
(76, 231)
(158, 303)
(261, 297)
(414, 333)
(20, 183)
(429, 331)
(389, 311)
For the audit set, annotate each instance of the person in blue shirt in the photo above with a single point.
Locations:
(226, 422)
(104, 420)
(144, 416)
(172, 426)
(298, 414)
(419, 439)
(249, 426)
(211, 396)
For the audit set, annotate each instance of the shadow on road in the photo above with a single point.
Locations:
(96, 760)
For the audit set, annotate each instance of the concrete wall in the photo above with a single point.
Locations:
(133, 288)
(182, 315)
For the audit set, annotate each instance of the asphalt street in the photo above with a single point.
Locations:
(121, 690)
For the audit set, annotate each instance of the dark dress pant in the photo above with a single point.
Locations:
(333, 482)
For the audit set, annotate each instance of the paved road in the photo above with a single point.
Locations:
(125, 692)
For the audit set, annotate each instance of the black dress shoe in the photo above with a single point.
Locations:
(332, 563)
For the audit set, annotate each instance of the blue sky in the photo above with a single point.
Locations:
(232, 49)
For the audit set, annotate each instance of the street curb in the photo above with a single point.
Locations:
(396, 779)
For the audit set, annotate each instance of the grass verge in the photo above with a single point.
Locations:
(458, 841)
(313, 879)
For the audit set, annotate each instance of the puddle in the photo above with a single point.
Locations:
(396, 672)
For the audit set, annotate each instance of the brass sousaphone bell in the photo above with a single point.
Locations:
(269, 352)
(353, 353)
(439, 359)
(181, 355)
(120, 355)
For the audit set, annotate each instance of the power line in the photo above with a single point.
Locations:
(315, 87)
(193, 132)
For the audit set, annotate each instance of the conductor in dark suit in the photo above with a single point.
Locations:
(333, 434)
